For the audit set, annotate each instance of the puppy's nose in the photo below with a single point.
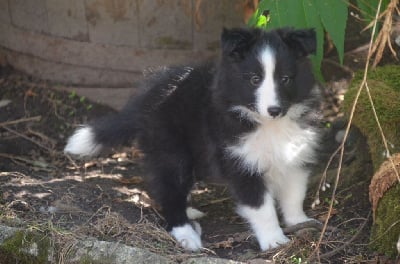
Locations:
(274, 111)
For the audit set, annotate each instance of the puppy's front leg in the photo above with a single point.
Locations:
(264, 222)
(291, 196)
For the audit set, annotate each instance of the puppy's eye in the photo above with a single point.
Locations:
(285, 80)
(255, 80)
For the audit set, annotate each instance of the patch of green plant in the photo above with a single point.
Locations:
(297, 260)
(368, 9)
(19, 248)
(72, 95)
(324, 15)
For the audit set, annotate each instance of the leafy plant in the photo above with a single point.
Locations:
(328, 15)
(368, 8)
(324, 15)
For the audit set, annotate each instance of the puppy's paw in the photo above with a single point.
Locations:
(273, 240)
(187, 236)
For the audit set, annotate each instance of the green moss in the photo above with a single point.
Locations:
(18, 247)
(386, 229)
(384, 85)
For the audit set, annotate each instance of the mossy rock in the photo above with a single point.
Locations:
(384, 86)
(25, 247)
(386, 228)
(384, 194)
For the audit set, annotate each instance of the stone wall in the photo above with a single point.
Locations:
(108, 43)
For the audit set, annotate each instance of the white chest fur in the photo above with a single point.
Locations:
(276, 145)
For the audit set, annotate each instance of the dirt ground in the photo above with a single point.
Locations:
(45, 190)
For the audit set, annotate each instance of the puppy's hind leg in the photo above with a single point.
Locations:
(170, 184)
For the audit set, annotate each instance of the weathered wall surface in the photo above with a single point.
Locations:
(109, 42)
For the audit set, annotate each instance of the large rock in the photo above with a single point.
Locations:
(384, 191)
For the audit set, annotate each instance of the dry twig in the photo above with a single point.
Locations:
(14, 122)
(347, 243)
(28, 138)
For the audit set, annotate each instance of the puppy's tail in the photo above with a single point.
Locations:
(112, 130)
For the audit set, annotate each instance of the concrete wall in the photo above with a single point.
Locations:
(110, 42)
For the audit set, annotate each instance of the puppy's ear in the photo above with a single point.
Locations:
(236, 42)
(303, 42)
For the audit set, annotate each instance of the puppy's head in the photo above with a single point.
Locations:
(265, 72)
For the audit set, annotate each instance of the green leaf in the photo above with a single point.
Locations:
(333, 14)
(313, 20)
(323, 15)
(368, 10)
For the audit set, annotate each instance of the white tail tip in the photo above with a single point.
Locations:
(82, 143)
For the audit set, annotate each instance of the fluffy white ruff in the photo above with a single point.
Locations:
(280, 143)
(82, 143)
(187, 236)
(264, 223)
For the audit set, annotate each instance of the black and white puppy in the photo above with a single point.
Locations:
(249, 117)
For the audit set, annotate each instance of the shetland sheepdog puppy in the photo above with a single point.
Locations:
(250, 117)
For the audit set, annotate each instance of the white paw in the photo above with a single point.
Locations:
(187, 236)
(273, 240)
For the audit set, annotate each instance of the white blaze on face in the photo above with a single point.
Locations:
(266, 93)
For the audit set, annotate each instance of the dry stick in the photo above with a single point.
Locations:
(14, 158)
(383, 38)
(336, 250)
(13, 122)
(27, 138)
(342, 145)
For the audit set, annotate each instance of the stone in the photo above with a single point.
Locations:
(113, 22)
(4, 12)
(210, 17)
(30, 15)
(67, 19)
(111, 252)
(166, 24)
